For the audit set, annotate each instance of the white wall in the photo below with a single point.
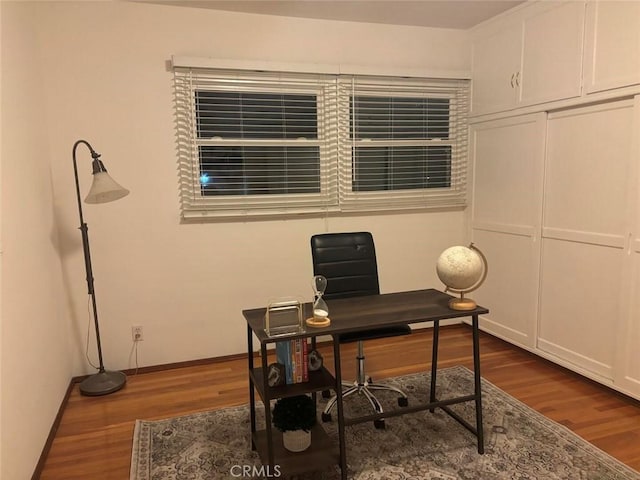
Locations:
(107, 82)
(35, 365)
(98, 71)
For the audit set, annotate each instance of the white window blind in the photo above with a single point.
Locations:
(402, 143)
(264, 143)
(255, 143)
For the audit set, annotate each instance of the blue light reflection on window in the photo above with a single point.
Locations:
(205, 179)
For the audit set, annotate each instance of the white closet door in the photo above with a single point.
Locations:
(507, 158)
(586, 223)
(627, 368)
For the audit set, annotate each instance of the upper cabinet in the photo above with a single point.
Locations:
(552, 54)
(496, 69)
(534, 58)
(612, 53)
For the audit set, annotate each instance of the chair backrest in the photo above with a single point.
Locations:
(348, 262)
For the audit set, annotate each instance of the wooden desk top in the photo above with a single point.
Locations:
(371, 311)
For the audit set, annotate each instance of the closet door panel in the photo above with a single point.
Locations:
(580, 303)
(587, 170)
(628, 365)
(507, 170)
(631, 365)
(506, 209)
(510, 288)
(585, 232)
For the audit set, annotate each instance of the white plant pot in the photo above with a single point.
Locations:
(296, 440)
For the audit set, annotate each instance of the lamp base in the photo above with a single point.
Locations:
(102, 383)
(462, 304)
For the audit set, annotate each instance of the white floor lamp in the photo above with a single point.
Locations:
(103, 189)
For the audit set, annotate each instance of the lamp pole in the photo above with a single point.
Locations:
(103, 382)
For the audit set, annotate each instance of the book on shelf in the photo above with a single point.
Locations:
(283, 356)
(305, 360)
(294, 355)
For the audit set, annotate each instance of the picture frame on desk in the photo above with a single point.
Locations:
(284, 317)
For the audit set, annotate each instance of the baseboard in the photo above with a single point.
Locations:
(564, 366)
(171, 366)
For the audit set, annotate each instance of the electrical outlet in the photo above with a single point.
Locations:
(136, 333)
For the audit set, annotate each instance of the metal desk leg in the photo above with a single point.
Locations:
(478, 386)
(339, 403)
(267, 406)
(252, 393)
(434, 362)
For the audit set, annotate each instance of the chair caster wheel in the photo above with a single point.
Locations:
(326, 417)
(326, 394)
(403, 401)
(379, 424)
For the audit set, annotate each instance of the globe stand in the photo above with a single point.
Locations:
(462, 303)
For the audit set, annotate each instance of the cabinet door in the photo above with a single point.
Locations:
(505, 219)
(496, 61)
(585, 230)
(627, 377)
(628, 367)
(552, 54)
(612, 53)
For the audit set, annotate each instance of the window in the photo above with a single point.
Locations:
(253, 143)
(405, 145)
(236, 167)
(400, 167)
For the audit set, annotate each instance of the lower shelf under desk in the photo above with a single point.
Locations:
(323, 452)
(318, 380)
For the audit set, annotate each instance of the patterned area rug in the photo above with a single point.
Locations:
(519, 442)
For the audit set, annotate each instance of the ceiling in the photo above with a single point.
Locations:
(458, 14)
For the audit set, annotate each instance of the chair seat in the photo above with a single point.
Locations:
(383, 332)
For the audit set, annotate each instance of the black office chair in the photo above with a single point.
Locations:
(348, 262)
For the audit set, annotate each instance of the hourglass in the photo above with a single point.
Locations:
(320, 309)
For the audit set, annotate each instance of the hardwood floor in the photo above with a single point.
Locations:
(93, 441)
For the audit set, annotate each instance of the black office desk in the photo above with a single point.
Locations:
(350, 315)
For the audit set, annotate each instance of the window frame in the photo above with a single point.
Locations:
(336, 159)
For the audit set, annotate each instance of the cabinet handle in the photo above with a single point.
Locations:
(518, 79)
(512, 77)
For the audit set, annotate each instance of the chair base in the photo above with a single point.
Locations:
(364, 387)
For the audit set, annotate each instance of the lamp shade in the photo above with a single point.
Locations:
(105, 189)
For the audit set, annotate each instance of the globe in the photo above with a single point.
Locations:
(462, 270)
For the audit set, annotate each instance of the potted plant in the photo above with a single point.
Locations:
(294, 417)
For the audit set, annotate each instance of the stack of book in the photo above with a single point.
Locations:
(293, 354)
